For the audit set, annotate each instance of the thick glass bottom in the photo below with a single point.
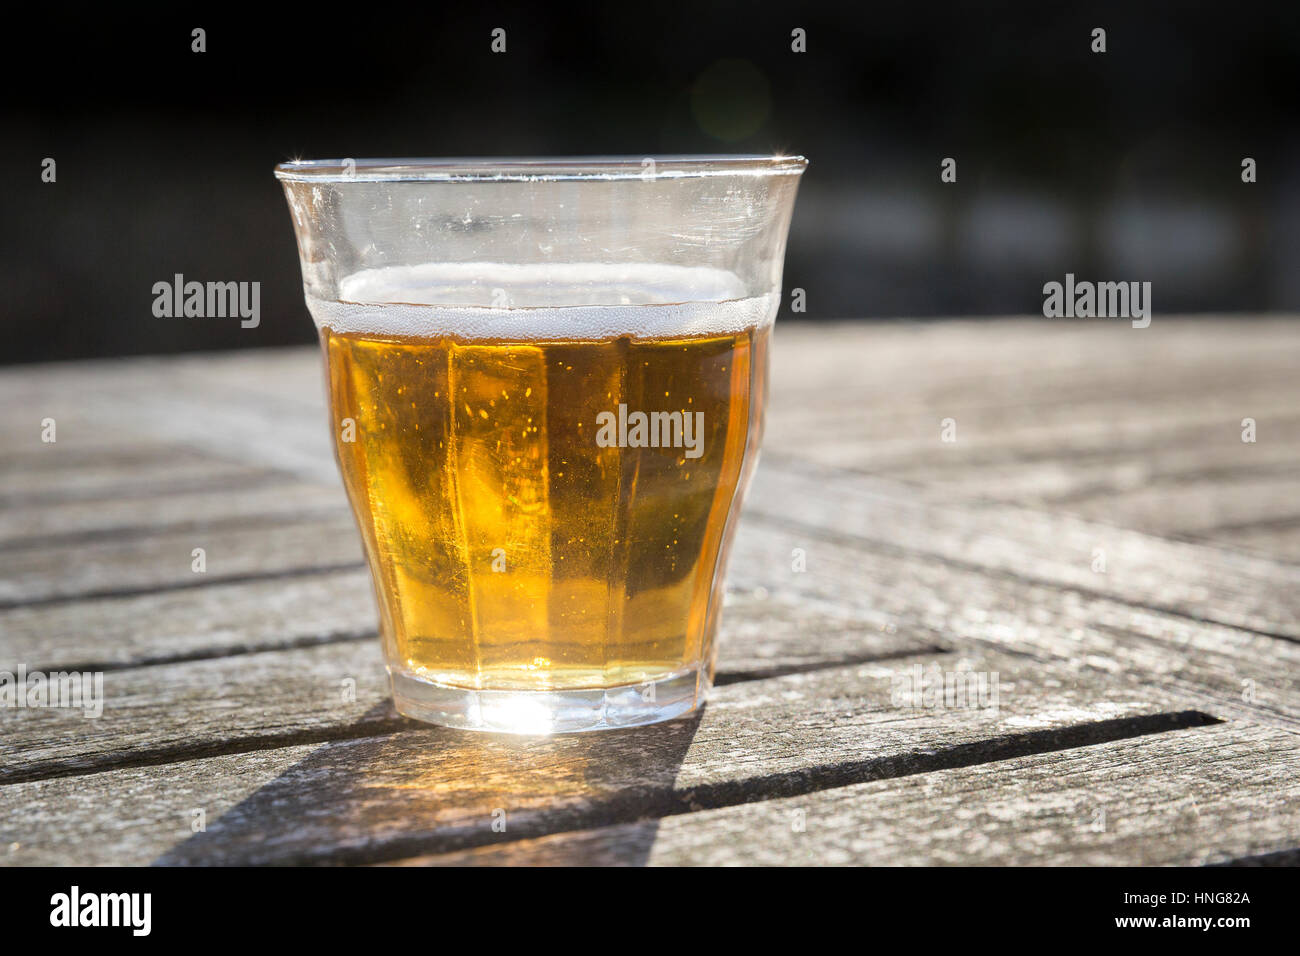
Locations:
(548, 712)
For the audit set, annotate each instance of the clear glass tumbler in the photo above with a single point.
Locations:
(546, 384)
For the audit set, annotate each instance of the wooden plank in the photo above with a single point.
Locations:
(132, 565)
(1198, 508)
(1107, 430)
(1038, 470)
(78, 431)
(1279, 539)
(432, 790)
(849, 430)
(264, 503)
(1188, 798)
(172, 400)
(1030, 364)
(1243, 672)
(291, 378)
(30, 454)
(180, 472)
(1196, 581)
(217, 619)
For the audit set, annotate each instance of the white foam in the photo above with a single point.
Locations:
(547, 301)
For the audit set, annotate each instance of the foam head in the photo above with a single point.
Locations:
(542, 301)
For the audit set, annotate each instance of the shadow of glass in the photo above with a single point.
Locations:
(425, 790)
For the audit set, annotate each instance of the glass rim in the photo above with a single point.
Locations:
(536, 169)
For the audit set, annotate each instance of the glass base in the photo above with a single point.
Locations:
(550, 711)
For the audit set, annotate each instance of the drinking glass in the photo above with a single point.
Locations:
(546, 383)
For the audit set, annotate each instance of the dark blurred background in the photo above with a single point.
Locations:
(1122, 165)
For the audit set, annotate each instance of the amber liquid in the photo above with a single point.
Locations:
(509, 548)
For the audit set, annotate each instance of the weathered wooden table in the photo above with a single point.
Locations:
(1098, 546)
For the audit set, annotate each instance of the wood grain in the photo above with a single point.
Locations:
(226, 689)
(388, 795)
(1188, 797)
